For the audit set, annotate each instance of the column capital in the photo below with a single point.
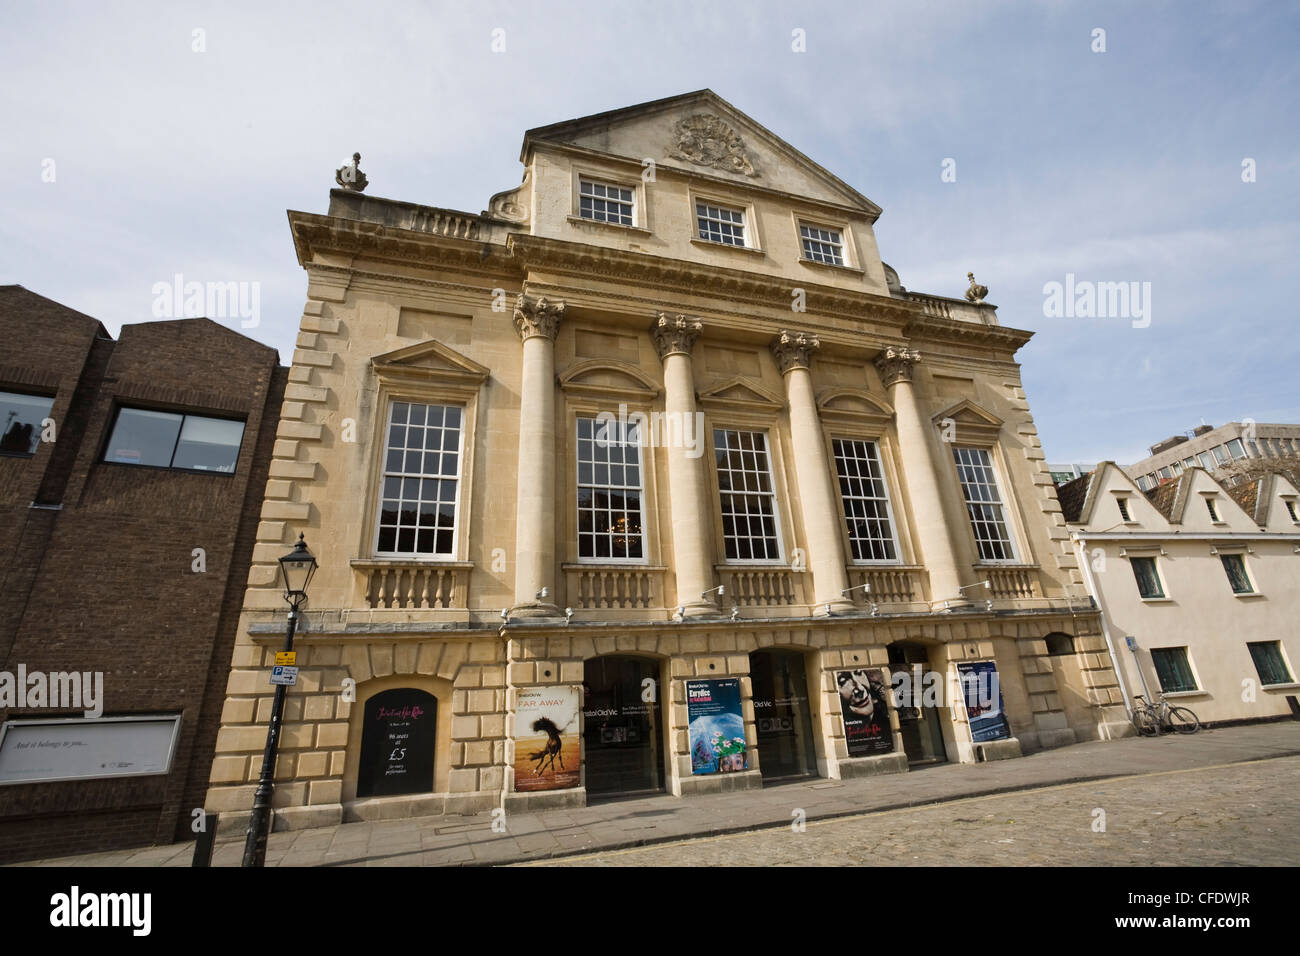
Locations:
(895, 364)
(794, 350)
(537, 316)
(673, 332)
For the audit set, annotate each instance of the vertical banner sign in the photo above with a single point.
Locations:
(717, 726)
(547, 738)
(397, 741)
(983, 697)
(863, 696)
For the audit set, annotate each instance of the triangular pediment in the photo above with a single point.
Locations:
(701, 134)
(738, 393)
(430, 361)
(971, 422)
(600, 377)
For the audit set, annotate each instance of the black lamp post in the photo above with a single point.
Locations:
(296, 568)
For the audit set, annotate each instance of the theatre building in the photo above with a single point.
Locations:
(650, 477)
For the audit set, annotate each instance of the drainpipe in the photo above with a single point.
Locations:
(1080, 543)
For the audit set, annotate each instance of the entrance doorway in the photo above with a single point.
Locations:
(918, 724)
(782, 715)
(623, 726)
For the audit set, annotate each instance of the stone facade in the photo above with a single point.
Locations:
(97, 558)
(533, 316)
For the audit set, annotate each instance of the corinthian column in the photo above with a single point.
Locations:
(895, 364)
(812, 469)
(536, 321)
(674, 336)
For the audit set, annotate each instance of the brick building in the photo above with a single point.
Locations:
(120, 461)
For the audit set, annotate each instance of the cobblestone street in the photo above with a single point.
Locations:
(1242, 815)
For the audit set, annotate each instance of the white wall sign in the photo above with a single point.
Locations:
(79, 749)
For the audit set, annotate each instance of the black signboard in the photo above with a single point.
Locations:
(397, 743)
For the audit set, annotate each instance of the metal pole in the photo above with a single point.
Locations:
(259, 824)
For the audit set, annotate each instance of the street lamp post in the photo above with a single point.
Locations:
(296, 568)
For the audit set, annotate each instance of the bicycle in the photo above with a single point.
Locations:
(1153, 719)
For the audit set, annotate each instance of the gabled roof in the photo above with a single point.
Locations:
(1170, 497)
(32, 306)
(1253, 497)
(727, 131)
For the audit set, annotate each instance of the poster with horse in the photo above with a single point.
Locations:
(548, 737)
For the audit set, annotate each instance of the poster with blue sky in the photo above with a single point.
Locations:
(717, 727)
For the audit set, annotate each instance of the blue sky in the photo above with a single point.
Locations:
(1117, 166)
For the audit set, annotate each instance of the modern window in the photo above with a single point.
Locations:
(747, 499)
(1206, 461)
(1235, 567)
(979, 485)
(605, 202)
(421, 480)
(1173, 669)
(1123, 509)
(20, 429)
(720, 224)
(1189, 463)
(142, 436)
(1145, 483)
(1269, 662)
(609, 491)
(866, 500)
(1176, 468)
(1210, 507)
(1221, 454)
(1236, 449)
(1148, 578)
(1254, 449)
(822, 245)
(1166, 472)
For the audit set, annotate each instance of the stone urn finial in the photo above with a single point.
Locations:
(975, 293)
(350, 176)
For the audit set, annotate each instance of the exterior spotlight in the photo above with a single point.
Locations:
(568, 615)
(679, 614)
(541, 595)
(505, 614)
(735, 612)
(721, 589)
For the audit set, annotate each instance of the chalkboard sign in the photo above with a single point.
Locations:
(397, 743)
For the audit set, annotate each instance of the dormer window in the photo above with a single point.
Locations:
(605, 202)
(821, 244)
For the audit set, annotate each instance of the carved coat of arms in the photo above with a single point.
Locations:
(705, 140)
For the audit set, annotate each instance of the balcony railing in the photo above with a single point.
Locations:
(414, 584)
(761, 586)
(1014, 582)
(892, 585)
(592, 586)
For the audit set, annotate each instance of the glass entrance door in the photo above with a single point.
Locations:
(622, 726)
(918, 725)
(782, 714)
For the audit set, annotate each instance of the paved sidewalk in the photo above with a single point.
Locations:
(469, 840)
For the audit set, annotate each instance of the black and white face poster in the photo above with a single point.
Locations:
(863, 696)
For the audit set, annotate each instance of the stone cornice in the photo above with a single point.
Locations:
(999, 337)
(685, 277)
(794, 350)
(335, 237)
